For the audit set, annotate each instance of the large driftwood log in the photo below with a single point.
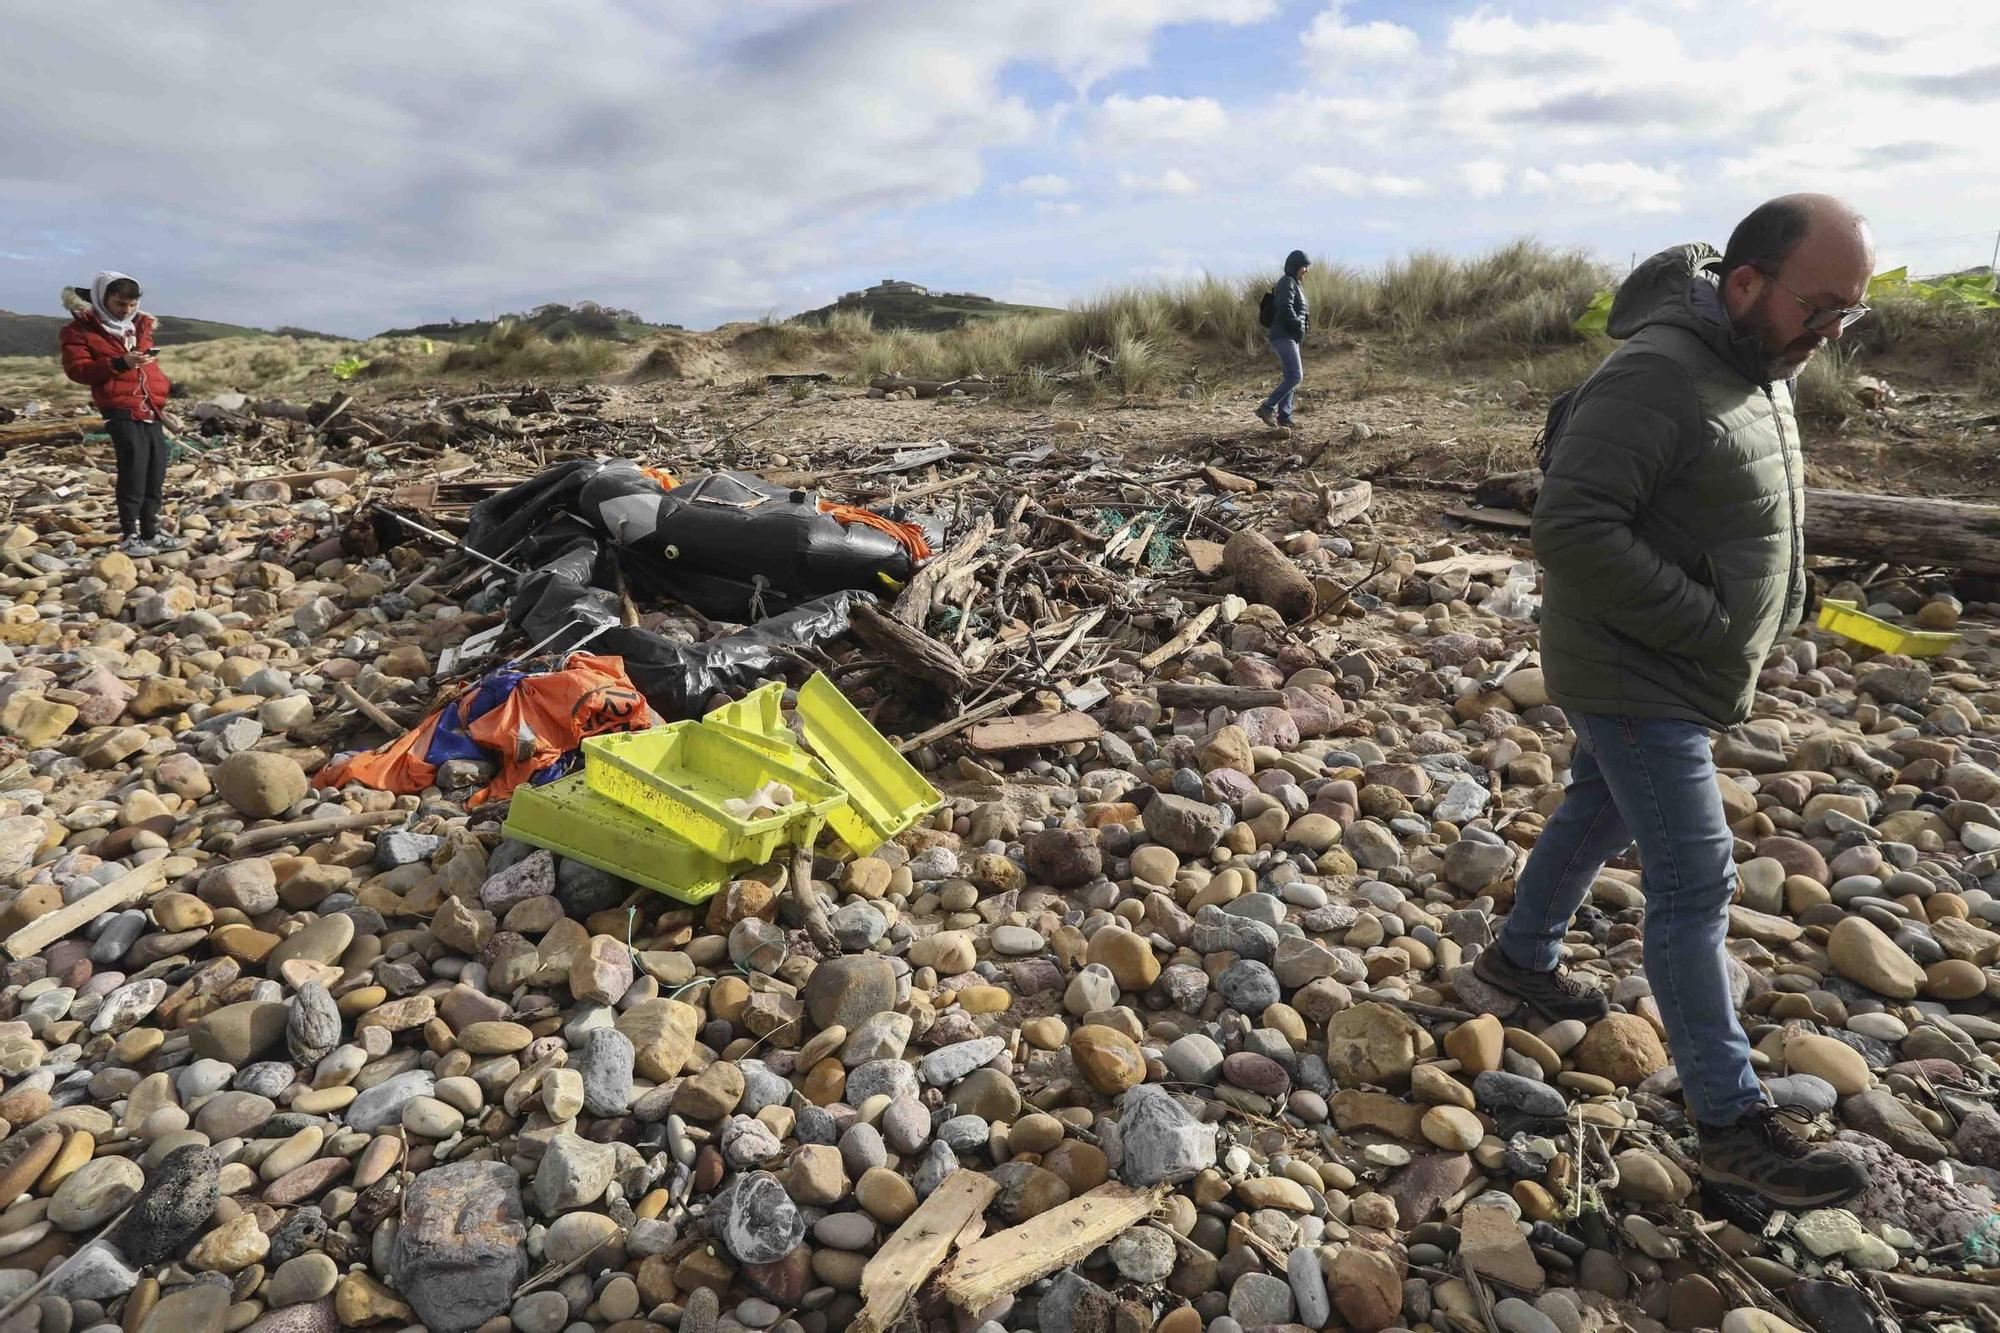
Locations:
(1897, 529)
(1904, 530)
(1266, 574)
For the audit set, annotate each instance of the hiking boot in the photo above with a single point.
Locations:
(1556, 994)
(1761, 1153)
(1264, 415)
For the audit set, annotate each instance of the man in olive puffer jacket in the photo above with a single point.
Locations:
(1669, 529)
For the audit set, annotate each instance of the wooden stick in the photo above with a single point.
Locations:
(45, 930)
(918, 1247)
(1193, 694)
(1935, 1291)
(1001, 1265)
(51, 1275)
(962, 721)
(388, 724)
(1084, 625)
(312, 828)
(1183, 639)
(810, 907)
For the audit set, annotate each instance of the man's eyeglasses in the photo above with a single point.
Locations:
(1825, 320)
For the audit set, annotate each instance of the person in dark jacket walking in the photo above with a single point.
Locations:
(1669, 528)
(108, 345)
(1289, 321)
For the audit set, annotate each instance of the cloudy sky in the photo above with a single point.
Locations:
(354, 166)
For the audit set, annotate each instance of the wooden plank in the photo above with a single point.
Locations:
(1205, 555)
(1476, 563)
(1022, 733)
(1184, 639)
(299, 480)
(1511, 519)
(1001, 1265)
(918, 1247)
(43, 931)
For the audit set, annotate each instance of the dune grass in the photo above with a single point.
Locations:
(1518, 300)
(516, 351)
(277, 367)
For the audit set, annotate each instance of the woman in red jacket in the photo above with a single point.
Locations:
(109, 346)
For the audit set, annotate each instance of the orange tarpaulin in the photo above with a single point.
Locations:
(543, 718)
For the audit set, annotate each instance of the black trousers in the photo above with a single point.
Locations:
(141, 450)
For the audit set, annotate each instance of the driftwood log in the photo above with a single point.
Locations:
(1263, 573)
(1904, 530)
(1897, 529)
(1177, 694)
(914, 652)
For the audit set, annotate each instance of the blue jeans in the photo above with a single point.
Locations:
(1650, 780)
(1288, 359)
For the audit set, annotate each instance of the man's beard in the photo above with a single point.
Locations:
(1781, 359)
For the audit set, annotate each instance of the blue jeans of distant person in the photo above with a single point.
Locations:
(1288, 360)
(1650, 780)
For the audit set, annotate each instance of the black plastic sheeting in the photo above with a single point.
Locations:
(577, 526)
(729, 544)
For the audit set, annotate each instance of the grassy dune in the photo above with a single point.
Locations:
(1506, 315)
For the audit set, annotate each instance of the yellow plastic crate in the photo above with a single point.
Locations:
(882, 786)
(758, 715)
(885, 793)
(1850, 622)
(680, 774)
(571, 820)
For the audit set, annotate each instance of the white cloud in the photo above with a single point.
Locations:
(358, 169)
(1158, 119)
(1610, 186)
(1483, 179)
(1331, 43)
(1346, 180)
(1171, 181)
(1048, 185)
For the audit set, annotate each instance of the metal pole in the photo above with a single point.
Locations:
(1993, 265)
(453, 542)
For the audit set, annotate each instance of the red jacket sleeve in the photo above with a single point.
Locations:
(83, 363)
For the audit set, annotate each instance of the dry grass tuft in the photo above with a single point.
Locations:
(515, 351)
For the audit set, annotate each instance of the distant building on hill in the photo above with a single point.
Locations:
(889, 287)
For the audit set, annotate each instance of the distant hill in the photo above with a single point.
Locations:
(35, 335)
(906, 305)
(557, 323)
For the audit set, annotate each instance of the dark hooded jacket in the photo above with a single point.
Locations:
(1669, 524)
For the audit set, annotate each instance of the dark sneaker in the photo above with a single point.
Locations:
(137, 546)
(159, 543)
(1556, 994)
(1264, 415)
(1761, 1153)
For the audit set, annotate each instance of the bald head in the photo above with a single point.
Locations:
(1774, 230)
(1791, 267)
